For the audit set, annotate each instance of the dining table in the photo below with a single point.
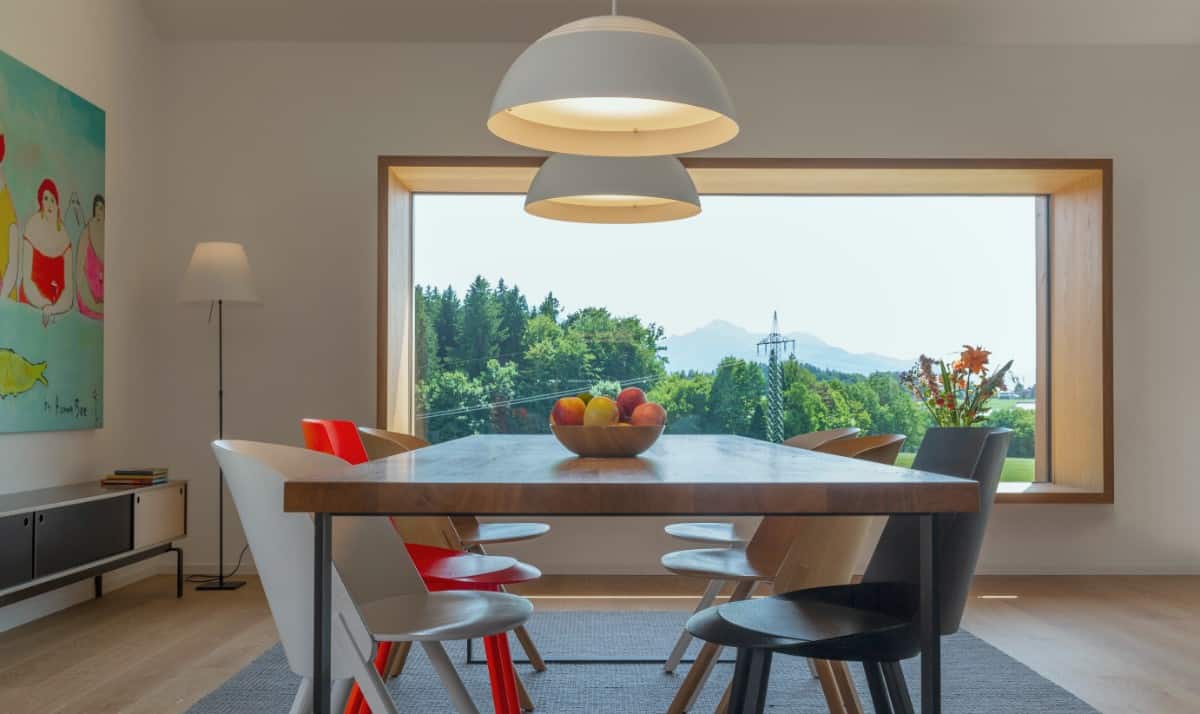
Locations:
(680, 475)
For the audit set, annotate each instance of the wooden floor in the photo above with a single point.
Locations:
(1123, 644)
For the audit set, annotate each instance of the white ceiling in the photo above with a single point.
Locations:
(957, 22)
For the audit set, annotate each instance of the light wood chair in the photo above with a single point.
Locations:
(473, 534)
(806, 552)
(370, 604)
(725, 534)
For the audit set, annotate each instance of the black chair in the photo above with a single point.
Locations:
(875, 621)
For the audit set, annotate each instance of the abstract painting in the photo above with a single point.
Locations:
(51, 254)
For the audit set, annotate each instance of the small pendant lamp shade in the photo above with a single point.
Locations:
(613, 86)
(218, 271)
(592, 189)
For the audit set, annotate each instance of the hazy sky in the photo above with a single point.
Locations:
(892, 275)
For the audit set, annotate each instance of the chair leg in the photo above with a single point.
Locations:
(398, 658)
(698, 675)
(302, 703)
(510, 675)
(450, 679)
(723, 705)
(750, 675)
(829, 686)
(531, 650)
(685, 637)
(339, 694)
(495, 675)
(812, 667)
(523, 697)
(375, 694)
(879, 693)
(695, 679)
(845, 684)
(897, 688)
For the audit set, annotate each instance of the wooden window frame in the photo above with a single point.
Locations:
(1074, 272)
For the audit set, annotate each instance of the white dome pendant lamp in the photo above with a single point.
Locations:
(613, 85)
(596, 189)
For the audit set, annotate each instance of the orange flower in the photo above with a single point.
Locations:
(975, 359)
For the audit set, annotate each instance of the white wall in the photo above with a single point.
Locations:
(275, 145)
(105, 51)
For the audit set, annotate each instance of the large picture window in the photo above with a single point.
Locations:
(511, 312)
(487, 315)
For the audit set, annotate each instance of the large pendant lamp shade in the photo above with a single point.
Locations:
(593, 189)
(613, 86)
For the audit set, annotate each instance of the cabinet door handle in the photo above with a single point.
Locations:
(26, 521)
(137, 499)
(41, 518)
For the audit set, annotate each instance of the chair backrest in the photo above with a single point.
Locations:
(334, 436)
(378, 447)
(408, 441)
(370, 560)
(974, 453)
(880, 448)
(438, 531)
(813, 439)
(825, 551)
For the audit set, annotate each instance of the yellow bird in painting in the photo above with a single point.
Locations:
(18, 374)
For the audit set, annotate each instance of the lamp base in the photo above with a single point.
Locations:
(222, 585)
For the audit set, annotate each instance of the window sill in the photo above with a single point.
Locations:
(1049, 493)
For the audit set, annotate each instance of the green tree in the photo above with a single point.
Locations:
(454, 392)
(685, 397)
(514, 316)
(1023, 424)
(622, 348)
(480, 333)
(425, 303)
(550, 307)
(447, 324)
(737, 390)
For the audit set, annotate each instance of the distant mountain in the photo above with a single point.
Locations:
(703, 349)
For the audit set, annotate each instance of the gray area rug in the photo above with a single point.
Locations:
(977, 678)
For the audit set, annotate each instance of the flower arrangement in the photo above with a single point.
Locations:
(955, 395)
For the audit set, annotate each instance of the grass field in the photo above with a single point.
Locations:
(1015, 470)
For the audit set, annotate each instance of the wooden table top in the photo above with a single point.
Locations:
(679, 475)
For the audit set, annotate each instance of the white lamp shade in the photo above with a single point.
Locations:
(613, 86)
(597, 189)
(218, 271)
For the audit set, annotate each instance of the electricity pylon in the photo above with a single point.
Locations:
(774, 344)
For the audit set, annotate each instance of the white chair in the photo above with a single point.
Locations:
(377, 593)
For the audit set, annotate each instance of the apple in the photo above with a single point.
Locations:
(585, 396)
(601, 411)
(628, 400)
(568, 411)
(648, 414)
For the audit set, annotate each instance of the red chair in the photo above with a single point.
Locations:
(440, 568)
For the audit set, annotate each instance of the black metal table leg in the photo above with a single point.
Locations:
(930, 619)
(322, 612)
(751, 672)
(98, 586)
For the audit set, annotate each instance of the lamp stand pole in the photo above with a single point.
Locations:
(220, 583)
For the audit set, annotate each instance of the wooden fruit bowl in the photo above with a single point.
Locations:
(607, 441)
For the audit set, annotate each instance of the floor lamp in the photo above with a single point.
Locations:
(219, 273)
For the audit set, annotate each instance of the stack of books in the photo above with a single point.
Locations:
(135, 477)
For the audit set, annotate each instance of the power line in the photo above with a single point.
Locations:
(456, 411)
